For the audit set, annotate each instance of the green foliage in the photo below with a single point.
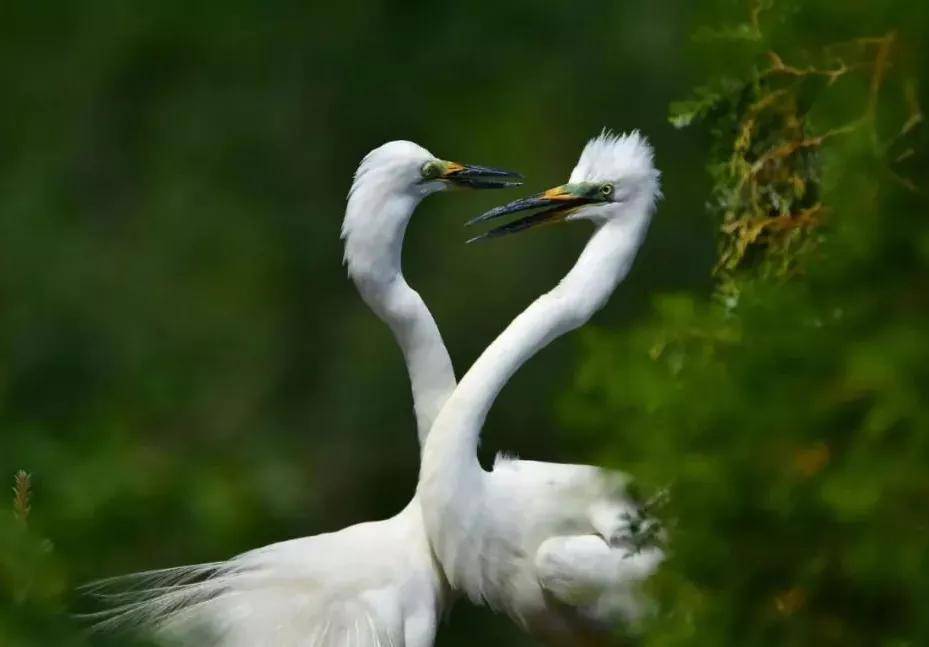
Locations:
(22, 495)
(788, 412)
(187, 374)
(31, 578)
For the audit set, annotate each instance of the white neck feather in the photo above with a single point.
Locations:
(450, 472)
(374, 227)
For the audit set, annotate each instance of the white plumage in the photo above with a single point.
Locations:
(370, 585)
(374, 584)
(546, 543)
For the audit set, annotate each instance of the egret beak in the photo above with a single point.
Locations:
(471, 176)
(557, 204)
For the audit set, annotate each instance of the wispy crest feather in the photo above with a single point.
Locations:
(609, 157)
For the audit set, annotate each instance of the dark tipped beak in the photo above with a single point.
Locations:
(556, 204)
(546, 217)
(472, 176)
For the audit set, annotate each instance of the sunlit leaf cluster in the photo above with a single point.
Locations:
(767, 137)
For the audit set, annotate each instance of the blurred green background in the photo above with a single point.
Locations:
(186, 372)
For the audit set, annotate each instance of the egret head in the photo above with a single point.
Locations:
(408, 168)
(615, 177)
(389, 183)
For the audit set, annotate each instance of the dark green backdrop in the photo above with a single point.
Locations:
(185, 370)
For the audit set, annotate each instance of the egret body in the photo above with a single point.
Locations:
(545, 542)
(371, 584)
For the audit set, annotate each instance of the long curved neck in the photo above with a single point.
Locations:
(450, 451)
(373, 232)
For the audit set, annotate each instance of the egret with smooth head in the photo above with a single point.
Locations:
(371, 584)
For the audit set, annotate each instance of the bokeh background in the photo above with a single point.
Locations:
(186, 373)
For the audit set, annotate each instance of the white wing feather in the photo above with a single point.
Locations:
(330, 590)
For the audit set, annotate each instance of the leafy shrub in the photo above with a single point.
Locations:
(789, 410)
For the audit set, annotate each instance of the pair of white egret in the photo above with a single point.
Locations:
(546, 543)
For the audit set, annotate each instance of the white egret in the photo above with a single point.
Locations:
(546, 543)
(371, 584)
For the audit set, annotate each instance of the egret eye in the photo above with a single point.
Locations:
(606, 190)
(430, 171)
